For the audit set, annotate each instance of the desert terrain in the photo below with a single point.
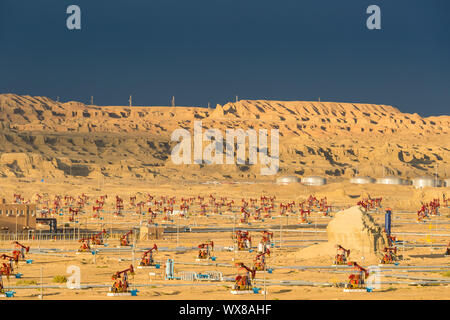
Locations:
(53, 149)
(43, 138)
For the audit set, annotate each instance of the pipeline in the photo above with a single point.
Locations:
(268, 283)
(347, 267)
(420, 234)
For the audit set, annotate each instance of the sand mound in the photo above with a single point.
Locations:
(353, 229)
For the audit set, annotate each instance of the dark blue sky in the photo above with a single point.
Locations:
(204, 51)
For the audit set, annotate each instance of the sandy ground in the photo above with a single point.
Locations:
(99, 269)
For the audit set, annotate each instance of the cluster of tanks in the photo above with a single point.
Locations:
(419, 182)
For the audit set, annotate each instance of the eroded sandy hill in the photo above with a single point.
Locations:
(39, 135)
(353, 229)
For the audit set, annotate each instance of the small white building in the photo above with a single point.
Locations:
(391, 180)
(447, 182)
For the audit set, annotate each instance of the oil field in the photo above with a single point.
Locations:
(210, 246)
(76, 225)
(220, 159)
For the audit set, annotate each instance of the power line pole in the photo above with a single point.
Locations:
(92, 100)
(130, 100)
(436, 175)
(173, 101)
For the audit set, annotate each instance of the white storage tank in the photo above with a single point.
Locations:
(362, 180)
(287, 180)
(407, 182)
(421, 182)
(314, 181)
(391, 180)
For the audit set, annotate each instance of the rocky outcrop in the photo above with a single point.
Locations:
(316, 138)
